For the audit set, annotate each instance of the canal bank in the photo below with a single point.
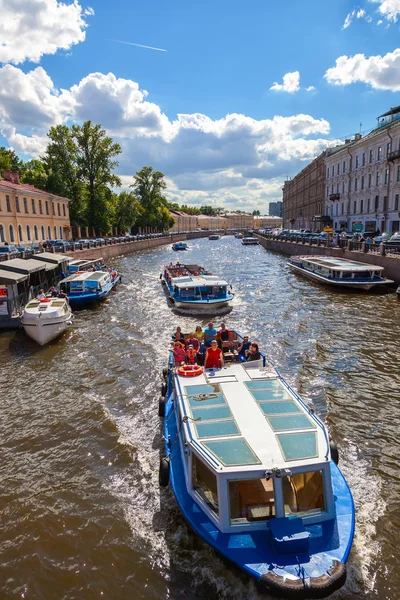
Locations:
(391, 264)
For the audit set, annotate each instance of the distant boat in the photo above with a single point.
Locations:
(238, 236)
(192, 287)
(249, 241)
(214, 236)
(339, 272)
(179, 246)
(45, 320)
(87, 288)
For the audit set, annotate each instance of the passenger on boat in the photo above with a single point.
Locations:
(214, 357)
(179, 353)
(178, 335)
(223, 335)
(210, 334)
(192, 341)
(41, 295)
(62, 294)
(191, 355)
(53, 292)
(254, 353)
(244, 348)
(199, 334)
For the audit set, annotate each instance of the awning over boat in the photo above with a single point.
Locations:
(52, 258)
(50, 266)
(9, 277)
(22, 265)
(186, 281)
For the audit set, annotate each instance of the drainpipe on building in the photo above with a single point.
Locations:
(349, 188)
(388, 185)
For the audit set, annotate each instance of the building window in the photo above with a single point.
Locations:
(35, 229)
(43, 233)
(337, 188)
(396, 202)
(386, 176)
(357, 161)
(20, 235)
(378, 178)
(384, 203)
(376, 203)
(49, 233)
(388, 148)
(327, 173)
(361, 206)
(354, 207)
(355, 184)
(63, 210)
(363, 159)
(54, 209)
(8, 203)
(342, 208)
(33, 206)
(369, 180)
(371, 156)
(40, 207)
(379, 153)
(362, 182)
(11, 233)
(28, 233)
(17, 208)
(368, 204)
(47, 208)
(1, 233)
(327, 190)
(338, 169)
(343, 188)
(55, 232)
(398, 173)
(332, 189)
(25, 205)
(61, 233)
(58, 209)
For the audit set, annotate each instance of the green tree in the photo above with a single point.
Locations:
(34, 172)
(256, 213)
(95, 153)
(127, 211)
(9, 160)
(148, 187)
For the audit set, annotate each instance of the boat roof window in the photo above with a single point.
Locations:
(232, 452)
(299, 445)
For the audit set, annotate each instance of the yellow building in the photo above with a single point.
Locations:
(183, 221)
(30, 215)
(239, 221)
(207, 222)
(267, 222)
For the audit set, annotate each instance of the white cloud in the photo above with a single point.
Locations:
(380, 72)
(234, 158)
(291, 83)
(390, 9)
(31, 28)
(357, 13)
(310, 88)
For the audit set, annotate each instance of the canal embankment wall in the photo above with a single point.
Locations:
(391, 264)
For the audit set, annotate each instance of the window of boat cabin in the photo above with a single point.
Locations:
(303, 493)
(205, 484)
(251, 500)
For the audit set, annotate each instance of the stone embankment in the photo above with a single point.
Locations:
(376, 257)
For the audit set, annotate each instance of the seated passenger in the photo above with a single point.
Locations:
(62, 294)
(178, 335)
(210, 334)
(223, 334)
(179, 353)
(193, 341)
(198, 333)
(254, 353)
(41, 295)
(243, 348)
(191, 355)
(214, 357)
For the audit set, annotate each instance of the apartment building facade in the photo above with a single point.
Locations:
(29, 215)
(362, 187)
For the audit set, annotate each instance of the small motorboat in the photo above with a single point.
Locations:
(87, 287)
(249, 241)
(255, 475)
(115, 278)
(214, 236)
(239, 236)
(44, 320)
(179, 246)
(339, 272)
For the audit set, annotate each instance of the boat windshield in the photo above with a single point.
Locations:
(251, 500)
(303, 493)
(205, 484)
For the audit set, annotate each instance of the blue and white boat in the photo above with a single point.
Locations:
(253, 472)
(77, 266)
(339, 272)
(87, 288)
(214, 236)
(190, 287)
(179, 246)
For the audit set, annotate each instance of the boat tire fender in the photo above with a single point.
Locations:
(163, 389)
(163, 476)
(161, 407)
(334, 451)
(165, 372)
(318, 587)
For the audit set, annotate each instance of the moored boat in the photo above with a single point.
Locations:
(249, 241)
(252, 470)
(239, 236)
(339, 272)
(87, 288)
(44, 320)
(214, 236)
(192, 287)
(179, 246)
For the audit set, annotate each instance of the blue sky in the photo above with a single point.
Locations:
(244, 94)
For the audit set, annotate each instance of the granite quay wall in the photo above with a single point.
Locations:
(391, 264)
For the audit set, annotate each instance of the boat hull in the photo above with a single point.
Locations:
(43, 331)
(201, 307)
(82, 300)
(362, 285)
(253, 551)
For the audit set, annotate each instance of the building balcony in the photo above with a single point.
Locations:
(334, 197)
(393, 155)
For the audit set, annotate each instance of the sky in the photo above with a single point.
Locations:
(226, 98)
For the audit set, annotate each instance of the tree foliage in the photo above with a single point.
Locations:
(127, 211)
(148, 187)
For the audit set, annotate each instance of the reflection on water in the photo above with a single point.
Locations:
(82, 512)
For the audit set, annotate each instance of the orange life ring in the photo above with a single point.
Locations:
(190, 370)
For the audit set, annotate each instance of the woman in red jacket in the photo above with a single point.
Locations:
(214, 357)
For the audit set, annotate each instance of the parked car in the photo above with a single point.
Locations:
(378, 239)
(394, 239)
(100, 240)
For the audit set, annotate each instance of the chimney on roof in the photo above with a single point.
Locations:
(15, 177)
(7, 175)
(347, 141)
(357, 137)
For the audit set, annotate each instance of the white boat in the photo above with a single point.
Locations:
(339, 272)
(238, 236)
(214, 236)
(249, 241)
(44, 320)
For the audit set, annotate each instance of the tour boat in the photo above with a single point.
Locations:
(214, 236)
(239, 236)
(179, 246)
(339, 272)
(192, 287)
(76, 266)
(115, 277)
(255, 475)
(249, 241)
(44, 320)
(87, 287)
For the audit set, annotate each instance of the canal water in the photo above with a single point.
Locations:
(82, 513)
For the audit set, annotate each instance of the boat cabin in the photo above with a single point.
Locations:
(76, 266)
(201, 287)
(252, 450)
(85, 283)
(14, 292)
(335, 268)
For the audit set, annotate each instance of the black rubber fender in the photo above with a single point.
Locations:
(163, 389)
(318, 587)
(161, 407)
(334, 451)
(163, 476)
(165, 373)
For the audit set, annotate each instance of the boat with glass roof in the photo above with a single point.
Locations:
(191, 287)
(252, 470)
(179, 246)
(249, 241)
(214, 236)
(339, 272)
(87, 287)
